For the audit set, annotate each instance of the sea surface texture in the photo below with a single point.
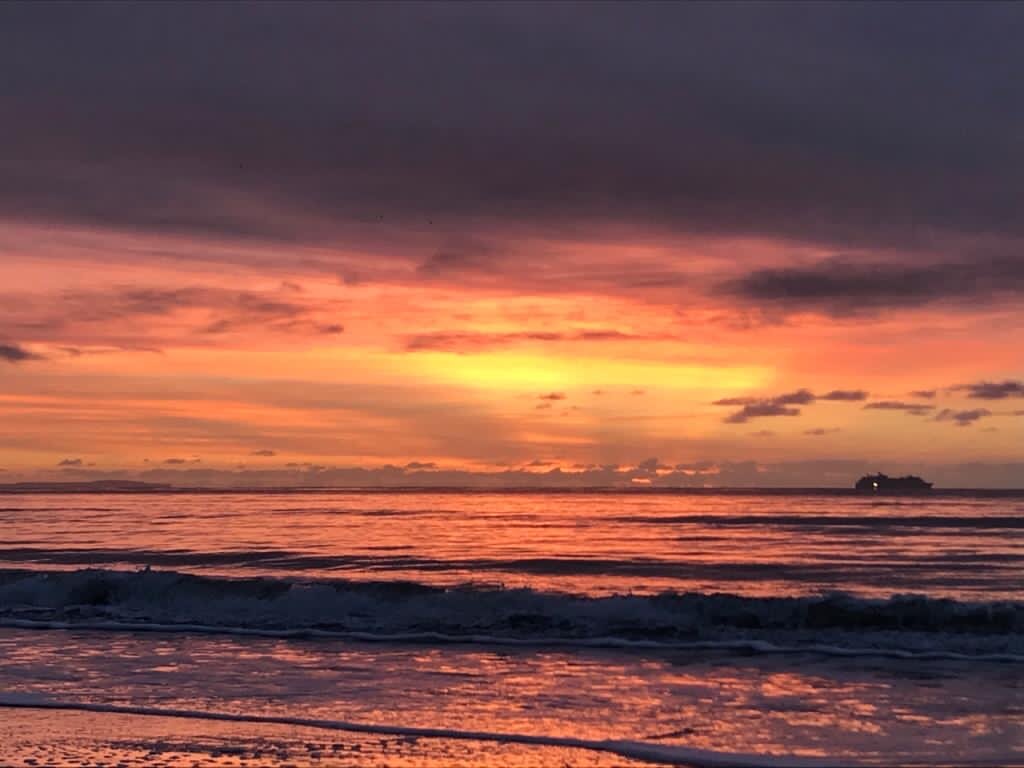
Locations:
(460, 628)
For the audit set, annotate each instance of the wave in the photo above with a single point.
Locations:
(953, 522)
(933, 569)
(903, 626)
(645, 751)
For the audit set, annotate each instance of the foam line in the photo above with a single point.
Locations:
(744, 646)
(635, 750)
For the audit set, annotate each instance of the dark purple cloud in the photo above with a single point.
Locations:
(779, 405)
(266, 452)
(821, 431)
(845, 395)
(70, 463)
(848, 287)
(924, 394)
(759, 410)
(993, 390)
(12, 353)
(687, 118)
(799, 397)
(962, 418)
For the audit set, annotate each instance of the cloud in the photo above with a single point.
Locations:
(70, 463)
(763, 433)
(515, 136)
(962, 418)
(12, 353)
(132, 316)
(821, 431)
(989, 390)
(914, 409)
(924, 394)
(846, 287)
(420, 465)
(799, 397)
(264, 452)
(779, 405)
(467, 341)
(552, 396)
(178, 462)
(759, 410)
(845, 395)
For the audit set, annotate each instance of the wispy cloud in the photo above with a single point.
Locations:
(914, 409)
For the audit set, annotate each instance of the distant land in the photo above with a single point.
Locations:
(93, 486)
(138, 487)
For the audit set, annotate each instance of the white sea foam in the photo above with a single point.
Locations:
(636, 750)
(902, 627)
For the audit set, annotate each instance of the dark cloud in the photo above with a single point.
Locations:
(991, 390)
(265, 452)
(845, 395)
(763, 433)
(847, 287)
(70, 463)
(962, 418)
(552, 396)
(837, 123)
(759, 410)
(914, 409)
(924, 394)
(821, 431)
(12, 353)
(799, 397)
(780, 405)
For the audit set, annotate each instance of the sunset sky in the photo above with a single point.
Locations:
(273, 244)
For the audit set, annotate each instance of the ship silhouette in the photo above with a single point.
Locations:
(884, 484)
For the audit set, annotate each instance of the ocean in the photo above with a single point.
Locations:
(522, 629)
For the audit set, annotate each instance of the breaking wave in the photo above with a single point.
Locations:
(903, 626)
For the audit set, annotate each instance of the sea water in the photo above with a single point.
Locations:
(464, 628)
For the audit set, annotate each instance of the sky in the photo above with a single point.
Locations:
(523, 243)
